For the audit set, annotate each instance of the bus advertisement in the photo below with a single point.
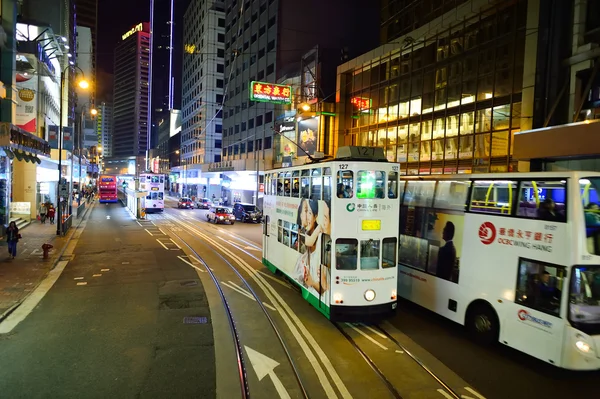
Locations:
(107, 188)
(513, 257)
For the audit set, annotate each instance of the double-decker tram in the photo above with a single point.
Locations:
(107, 189)
(513, 257)
(154, 184)
(331, 227)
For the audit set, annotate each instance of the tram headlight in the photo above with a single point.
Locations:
(337, 297)
(394, 294)
(221, 217)
(582, 345)
(369, 295)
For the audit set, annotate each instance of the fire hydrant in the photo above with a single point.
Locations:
(46, 248)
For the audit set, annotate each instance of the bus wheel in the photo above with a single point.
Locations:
(483, 324)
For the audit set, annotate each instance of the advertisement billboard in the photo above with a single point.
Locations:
(270, 93)
(26, 98)
(308, 135)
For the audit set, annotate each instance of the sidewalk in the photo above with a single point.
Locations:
(20, 276)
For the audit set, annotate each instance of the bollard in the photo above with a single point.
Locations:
(46, 248)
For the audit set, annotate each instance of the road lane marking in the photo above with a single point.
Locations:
(242, 291)
(84, 283)
(124, 263)
(474, 392)
(367, 336)
(78, 278)
(374, 331)
(148, 231)
(194, 266)
(96, 275)
(161, 230)
(286, 285)
(445, 394)
(399, 351)
(104, 270)
(164, 246)
(177, 245)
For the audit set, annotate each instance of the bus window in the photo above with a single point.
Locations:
(393, 185)
(419, 193)
(451, 195)
(370, 184)
(544, 200)
(493, 196)
(327, 188)
(589, 195)
(345, 184)
(584, 303)
(388, 252)
(539, 286)
(369, 254)
(345, 253)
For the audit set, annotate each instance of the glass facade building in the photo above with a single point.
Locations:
(445, 98)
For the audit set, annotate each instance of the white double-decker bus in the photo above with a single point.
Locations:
(513, 257)
(155, 185)
(331, 227)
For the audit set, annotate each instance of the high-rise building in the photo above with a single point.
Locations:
(203, 82)
(87, 16)
(131, 93)
(104, 126)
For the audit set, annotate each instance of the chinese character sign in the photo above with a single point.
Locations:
(363, 104)
(272, 93)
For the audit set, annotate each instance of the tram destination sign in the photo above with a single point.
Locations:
(270, 93)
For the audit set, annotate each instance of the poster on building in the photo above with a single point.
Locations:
(26, 98)
(53, 136)
(68, 138)
(308, 130)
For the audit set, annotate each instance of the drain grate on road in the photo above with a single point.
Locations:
(195, 320)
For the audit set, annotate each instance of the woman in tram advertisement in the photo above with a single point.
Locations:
(313, 220)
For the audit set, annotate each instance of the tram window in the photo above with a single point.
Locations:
(315, 193)
(162, 179)
(393, 185)
(295, 187)
(327, 171)
(326, 250)
(161, 196)
(369, 254)
(539, 285)
(370, 184)
(493, 196)
(451, 195)
(544, 200)
(327, 188)
(419, 193)
(280, 230)
(305, 187)
(345, 184)
(274, 184)
(388, 252)
(154, 179)
(345, 253)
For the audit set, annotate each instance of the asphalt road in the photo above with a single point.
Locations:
(496, 372)
(112, 326)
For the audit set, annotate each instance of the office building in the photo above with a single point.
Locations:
(104, 126)
(131, 93)
(87, 16)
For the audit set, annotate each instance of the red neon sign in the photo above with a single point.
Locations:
(361, 102)
(269, 92)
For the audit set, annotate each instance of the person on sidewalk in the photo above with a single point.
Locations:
(51, 212)
(12, 237)
(43, 212)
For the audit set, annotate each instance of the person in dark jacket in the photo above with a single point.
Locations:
(12, 237)
(447, 254)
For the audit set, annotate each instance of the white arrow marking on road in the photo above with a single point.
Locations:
(264, 366)
(474, 392)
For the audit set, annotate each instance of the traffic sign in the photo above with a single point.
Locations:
(63, 190)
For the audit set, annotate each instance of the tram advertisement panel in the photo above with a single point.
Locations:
(300, 225)
(431, 241)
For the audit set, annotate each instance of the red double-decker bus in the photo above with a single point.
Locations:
(107, 188)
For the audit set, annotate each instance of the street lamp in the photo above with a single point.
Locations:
(84, 84)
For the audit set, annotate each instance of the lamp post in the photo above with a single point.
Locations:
(93, 112)
(82, 83)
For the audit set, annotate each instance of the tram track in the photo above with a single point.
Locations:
(238, 346)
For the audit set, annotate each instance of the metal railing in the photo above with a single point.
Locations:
(66, 224)
(80, 210)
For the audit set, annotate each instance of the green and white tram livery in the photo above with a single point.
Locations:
(331, 227)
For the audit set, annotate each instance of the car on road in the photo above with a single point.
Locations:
(185, 203)
(220, 214)
(247, 212)
(204, 203)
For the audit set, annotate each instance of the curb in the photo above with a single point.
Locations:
(14, 307)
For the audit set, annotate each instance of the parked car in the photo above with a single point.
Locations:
(204, 203)
(220, 214)
(247, 212)
(185, 203)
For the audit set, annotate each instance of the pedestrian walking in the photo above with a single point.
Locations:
(51, 212)
(43, 212)
(12, 237)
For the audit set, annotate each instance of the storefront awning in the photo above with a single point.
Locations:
(581, 140)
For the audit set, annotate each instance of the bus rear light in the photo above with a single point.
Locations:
(337, 298)
(394, 294)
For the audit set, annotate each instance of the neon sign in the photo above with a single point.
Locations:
(138, 28)
(270, 93)
(363, 104)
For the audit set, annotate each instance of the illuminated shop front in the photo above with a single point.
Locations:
(447, 102)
